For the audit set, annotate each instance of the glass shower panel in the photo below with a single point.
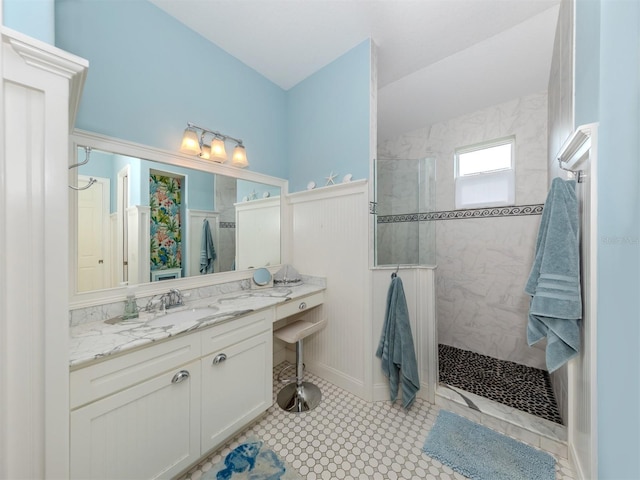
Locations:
(404, 190)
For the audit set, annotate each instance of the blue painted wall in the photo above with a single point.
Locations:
(328, 121)
(619, 242)
(587, 62)
(32, 17)
(608, 90)
(149, 75)
(247, 189)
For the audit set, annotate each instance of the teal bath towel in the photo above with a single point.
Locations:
(207, 250)
(396, 346)
(554, 281)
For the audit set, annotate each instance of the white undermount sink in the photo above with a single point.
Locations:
(188, 315)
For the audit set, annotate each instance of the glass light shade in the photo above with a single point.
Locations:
(190, 142)
(206, 152)
(239, 157)
(218, 152)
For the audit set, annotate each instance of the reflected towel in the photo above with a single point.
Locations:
(396, 346)
(207, 250)
(554, 281)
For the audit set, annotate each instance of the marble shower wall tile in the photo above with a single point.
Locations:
(397, 186)
(483, 263)
(524, 117)
(397, 243)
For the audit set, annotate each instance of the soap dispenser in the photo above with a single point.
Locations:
(130, 306)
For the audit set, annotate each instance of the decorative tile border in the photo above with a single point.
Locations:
(227, 224)
(492, 212)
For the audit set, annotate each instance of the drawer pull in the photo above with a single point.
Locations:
(221, 357)
(302, 305)
(181, 376)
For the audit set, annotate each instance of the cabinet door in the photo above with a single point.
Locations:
(236, 387)
(149, 430)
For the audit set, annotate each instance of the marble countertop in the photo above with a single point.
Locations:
(96, 340)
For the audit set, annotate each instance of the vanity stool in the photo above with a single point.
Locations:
(299, 396)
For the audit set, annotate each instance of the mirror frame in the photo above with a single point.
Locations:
(80, 138)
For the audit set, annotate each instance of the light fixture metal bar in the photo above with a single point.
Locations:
(214, 133)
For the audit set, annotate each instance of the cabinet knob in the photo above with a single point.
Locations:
(181, 376)
(302, 306)
(221, 357)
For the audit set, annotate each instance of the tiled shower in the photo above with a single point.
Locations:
(483, 257)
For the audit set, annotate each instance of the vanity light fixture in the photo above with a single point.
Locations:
(190, 142)
(206, 152)
(218, 151)
(194, 144)
(239, 158)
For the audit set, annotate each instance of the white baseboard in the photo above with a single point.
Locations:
(339, 379)
(382, 393)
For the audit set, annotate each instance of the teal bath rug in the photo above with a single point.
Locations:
(252, 460)
(482, 454)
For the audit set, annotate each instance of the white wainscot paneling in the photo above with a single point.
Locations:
(419, 288)
(580, 153)
(330, 232)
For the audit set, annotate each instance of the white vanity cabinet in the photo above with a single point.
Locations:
(146, 431)
(237, 378)
(155, 411)
(137, 415)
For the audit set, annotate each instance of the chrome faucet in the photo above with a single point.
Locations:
(172, 299)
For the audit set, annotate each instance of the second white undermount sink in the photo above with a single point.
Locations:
(188, 315)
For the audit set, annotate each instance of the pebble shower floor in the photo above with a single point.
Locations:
(346, 437)
(524, 388)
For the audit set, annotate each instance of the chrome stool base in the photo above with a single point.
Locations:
(299, 398)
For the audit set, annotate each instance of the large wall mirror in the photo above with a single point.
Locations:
(152, 216)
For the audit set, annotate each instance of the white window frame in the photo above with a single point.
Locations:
(491, 188)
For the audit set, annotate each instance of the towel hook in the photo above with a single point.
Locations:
(395, 274)
(87, 151)
(578, 173)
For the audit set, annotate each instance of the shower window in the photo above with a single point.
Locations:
(484, 174)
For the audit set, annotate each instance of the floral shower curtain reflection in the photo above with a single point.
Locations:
(165, 201)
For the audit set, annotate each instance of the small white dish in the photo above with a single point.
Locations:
(311, 185)
(266, 195)
(347, 178)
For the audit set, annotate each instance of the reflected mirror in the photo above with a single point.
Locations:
(146, 221)
(262, 277)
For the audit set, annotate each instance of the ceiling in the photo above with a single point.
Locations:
(437, 59)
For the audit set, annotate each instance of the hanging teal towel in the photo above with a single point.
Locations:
(207, 250)
(554, 281)
(396, 346)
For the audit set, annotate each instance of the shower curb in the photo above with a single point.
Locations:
(527, 428)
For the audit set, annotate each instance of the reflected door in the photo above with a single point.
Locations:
(93, 223)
